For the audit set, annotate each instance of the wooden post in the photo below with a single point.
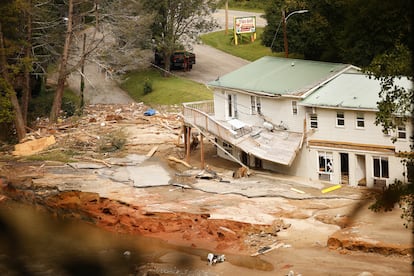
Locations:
(187, 145)
(202, 150)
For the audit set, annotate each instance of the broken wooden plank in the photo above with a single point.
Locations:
(152, 151)
(33, 146)
(297, 190)
(268, 248)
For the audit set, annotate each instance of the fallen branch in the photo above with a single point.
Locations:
(97, 161)
(179, 161)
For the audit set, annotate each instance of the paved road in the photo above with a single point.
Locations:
(212, 63)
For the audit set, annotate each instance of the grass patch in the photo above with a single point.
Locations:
(165, 90)
(245, 49)
(59, 155)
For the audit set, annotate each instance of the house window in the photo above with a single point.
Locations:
(228, 147)
(294, 107)
(401, 132)
(258, 105)
(232, 105)
(340, 119)
(360, 120)
(381, 167)
(325, 160)
(255, 105)
(314, 120)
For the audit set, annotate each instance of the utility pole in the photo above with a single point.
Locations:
(285, 41)
(227, 17)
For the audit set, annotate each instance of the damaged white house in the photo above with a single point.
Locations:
(304, 118)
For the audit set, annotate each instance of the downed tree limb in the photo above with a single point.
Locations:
(152, 151)
(97, 161)
(179, 161)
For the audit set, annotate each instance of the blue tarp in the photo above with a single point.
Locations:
(149, 112)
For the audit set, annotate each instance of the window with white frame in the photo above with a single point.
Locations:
(381, 169)
(294, 107)
(360, 120)
(232, 105)
(340, 119)
(325, 162)
(401, 132)
(313, 118)
(255, 104)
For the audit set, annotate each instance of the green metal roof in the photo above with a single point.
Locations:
(355, 91)
(279, 76)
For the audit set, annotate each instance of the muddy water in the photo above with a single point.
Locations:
(32, 242)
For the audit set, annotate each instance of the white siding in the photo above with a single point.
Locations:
(350, 133)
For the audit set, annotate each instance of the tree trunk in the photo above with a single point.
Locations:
(18, 118)
(26, 86)
(62, 75)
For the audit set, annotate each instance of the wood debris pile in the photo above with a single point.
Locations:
(89, 131)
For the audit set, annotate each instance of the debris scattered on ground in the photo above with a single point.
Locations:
(213, 258)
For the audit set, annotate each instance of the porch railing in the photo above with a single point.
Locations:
(201, 115)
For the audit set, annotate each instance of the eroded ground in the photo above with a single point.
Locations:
(129, 192)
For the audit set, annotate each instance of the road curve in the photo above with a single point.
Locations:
(212, 63)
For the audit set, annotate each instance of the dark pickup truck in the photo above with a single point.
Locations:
(183, 60)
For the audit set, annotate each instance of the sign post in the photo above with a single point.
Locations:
(243, 25)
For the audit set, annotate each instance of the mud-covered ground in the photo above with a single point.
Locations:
(260, 223)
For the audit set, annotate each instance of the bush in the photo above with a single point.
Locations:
(114, 141)
(147, 86)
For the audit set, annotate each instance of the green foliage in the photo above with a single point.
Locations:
(6, 111)
(113, 141)
(59, 155)
(398, 193)
(395, 104)
(147, 86)
(41, 105)
(246, 5)
(166, 91)
(354, 31)
(179, 23)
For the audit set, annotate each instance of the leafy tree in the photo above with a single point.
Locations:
(396, 109)
(354, 31)
(9, 65)
(178, 23)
